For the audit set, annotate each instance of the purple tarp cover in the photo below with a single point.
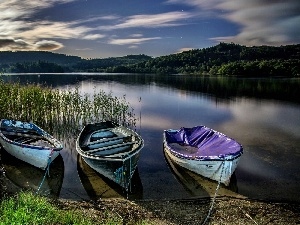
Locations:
(208, 142)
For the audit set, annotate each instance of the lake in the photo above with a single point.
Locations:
(263, 114)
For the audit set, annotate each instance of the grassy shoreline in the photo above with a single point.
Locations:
(27, 208)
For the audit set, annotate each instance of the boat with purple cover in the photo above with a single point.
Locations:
(204, 151)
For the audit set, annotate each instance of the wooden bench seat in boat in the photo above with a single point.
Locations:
(24, 140)
(110, 147)
(21, 135)
(105, 140)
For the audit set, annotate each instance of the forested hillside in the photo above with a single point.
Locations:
(222, 59)
(9, 57)
(228, 59)
(48, 62)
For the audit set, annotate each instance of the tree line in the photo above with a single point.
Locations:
(228, 59)
(222, 59)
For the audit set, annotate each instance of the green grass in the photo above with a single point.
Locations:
(27, 208)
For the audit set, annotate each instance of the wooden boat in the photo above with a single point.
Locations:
(204, 151)
(19, 175)
(29, 143)
(110, 149)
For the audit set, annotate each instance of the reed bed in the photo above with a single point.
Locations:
(62, 112)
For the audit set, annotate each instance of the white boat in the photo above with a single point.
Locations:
(29, 143)
(110, 149)
(204, 151)
(202, 187)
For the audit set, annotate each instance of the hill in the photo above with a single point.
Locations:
(48, 62)
(228, 59)
(222, 59)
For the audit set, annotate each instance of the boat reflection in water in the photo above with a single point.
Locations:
(98, 186)
(21, 176)
(202, 187)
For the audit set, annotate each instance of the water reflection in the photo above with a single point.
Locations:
(22, 176)
(221, 87)
(98, 186)
(266, 123)
(202, 187)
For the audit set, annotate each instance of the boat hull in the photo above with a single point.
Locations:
(38, 158)
(218, 170)
(200, 186)
(29, 143)
(111, 150)
(117, 170)
(98, 186)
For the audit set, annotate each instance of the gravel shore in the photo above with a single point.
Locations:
(192, 211)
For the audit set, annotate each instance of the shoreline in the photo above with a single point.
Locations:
(192, 211)
(226, 210)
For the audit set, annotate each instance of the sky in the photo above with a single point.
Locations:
(112, 28)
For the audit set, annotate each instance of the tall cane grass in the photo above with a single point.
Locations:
(61, 111)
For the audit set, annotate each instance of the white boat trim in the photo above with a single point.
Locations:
(36, 155)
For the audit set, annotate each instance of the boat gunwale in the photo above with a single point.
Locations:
(57, 146)
(202, 158)
(115, 157)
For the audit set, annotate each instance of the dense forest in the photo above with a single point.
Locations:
(222, 59)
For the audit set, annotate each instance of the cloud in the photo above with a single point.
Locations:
(92, 36)
(223, 39)
(265, 22)
(84, 49)
(49, 29)
(46, 45)
(131, 41)
(151, 20)
(27, 24)
(136, 35)
(18, 44)
(20, 30)
(184, 50)
(10, 43)
(168, 19)
(262, 22)
(203, 4)
(20, 9)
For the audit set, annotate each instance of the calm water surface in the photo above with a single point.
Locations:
(261, 114)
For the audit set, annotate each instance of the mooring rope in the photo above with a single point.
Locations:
(215, 196)
(46, 172)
